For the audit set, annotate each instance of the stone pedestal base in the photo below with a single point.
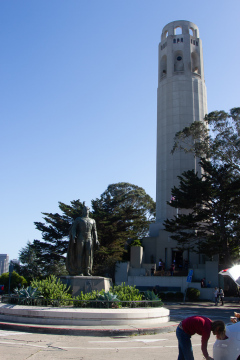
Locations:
(86, 283)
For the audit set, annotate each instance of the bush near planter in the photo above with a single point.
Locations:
(170, 296)
(126, 292)
(53, 289)
(179, 296)
(162, 295)
(193, 294)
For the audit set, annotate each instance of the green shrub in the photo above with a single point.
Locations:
(126, 292)
(136, 242)
(162, 295)
(170, 296)
(15, 280)
(52, 289)
(179, 296)
(105, 300)
(84, 300)
(193, 294)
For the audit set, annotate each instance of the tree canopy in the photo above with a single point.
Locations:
(217, 138)
(123, 212)
(208, 204)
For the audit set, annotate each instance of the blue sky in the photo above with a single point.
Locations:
(78, 83)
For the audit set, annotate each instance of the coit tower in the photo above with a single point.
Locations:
(181, 100)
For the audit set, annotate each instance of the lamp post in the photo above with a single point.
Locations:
(10, 273)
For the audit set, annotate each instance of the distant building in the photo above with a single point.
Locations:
(15, 261)
(4, 263)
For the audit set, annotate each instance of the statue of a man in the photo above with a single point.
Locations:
(82, 238)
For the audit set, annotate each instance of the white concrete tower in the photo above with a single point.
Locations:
(181, 100)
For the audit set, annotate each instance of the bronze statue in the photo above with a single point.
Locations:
(82, 238)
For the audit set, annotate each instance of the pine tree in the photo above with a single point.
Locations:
(208, 204)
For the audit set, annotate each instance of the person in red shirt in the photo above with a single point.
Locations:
(200, 325)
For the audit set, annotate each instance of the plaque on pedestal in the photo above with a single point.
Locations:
(86, 284)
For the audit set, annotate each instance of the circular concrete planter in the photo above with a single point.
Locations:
(83, 317)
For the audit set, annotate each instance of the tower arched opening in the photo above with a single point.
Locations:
(163, 66)
(195, 63)
(191, 31)
(177, 30)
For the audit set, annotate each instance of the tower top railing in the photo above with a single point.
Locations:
(180, 27)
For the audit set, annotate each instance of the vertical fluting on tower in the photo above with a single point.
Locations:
(181, 100)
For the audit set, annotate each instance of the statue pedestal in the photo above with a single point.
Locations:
(86, 283)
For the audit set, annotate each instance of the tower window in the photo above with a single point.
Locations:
(177, 40)
(174, 41)
(178, 62)
(181, 39)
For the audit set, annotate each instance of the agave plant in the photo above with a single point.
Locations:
(108, 299)
(26, 295)
(149, 295)
(107, 296)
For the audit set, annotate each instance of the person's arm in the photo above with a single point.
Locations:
(205, 338)
(235, 319)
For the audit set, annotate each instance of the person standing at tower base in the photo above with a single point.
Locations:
(200, 325)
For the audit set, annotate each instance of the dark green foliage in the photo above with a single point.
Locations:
(179, 296)
(136, 242)
(209, 203)
(221, 145)
(124, 211)
(162, 295)
(15, 281)
(170, 296)
(192, 294)
(29, 267)
(52, 250)
(213, 221)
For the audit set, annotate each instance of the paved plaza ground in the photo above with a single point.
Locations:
(33, 346)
